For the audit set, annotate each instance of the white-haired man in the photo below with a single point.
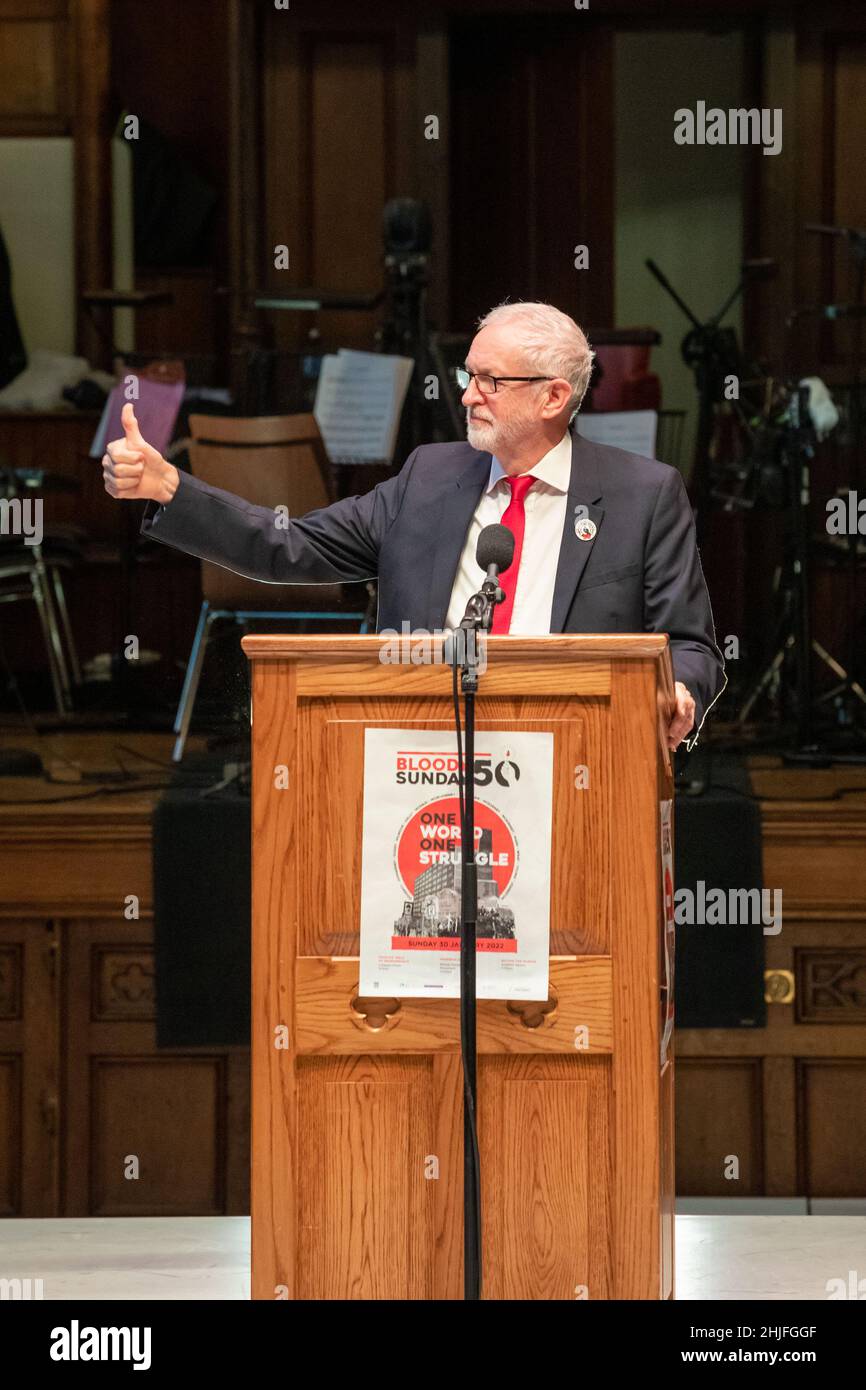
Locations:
(604, 540)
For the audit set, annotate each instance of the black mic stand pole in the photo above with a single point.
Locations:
(477, 620)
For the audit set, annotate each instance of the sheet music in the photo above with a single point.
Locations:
(634, 430)
(359, 400)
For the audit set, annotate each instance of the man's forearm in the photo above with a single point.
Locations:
(333, 545)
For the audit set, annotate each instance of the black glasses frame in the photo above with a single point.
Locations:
(473, 376)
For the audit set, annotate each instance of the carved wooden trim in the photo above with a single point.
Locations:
(831, 985)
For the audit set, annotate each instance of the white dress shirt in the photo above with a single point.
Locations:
(546, 507)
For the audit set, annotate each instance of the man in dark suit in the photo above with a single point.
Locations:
(604, 540)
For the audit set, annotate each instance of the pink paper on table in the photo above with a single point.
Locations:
(156, 411)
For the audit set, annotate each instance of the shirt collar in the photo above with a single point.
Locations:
(554, 468)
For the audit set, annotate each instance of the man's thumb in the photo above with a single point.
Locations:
(130, 425)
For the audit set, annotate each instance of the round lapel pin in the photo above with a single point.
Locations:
(585, 529)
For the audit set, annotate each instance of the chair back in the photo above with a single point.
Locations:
(272, 461)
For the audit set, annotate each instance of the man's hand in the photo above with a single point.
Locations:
(684, 716)
(133, 469)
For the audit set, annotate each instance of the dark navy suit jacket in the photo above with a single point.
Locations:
(640, 573)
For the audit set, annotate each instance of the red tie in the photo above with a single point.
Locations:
(514, 517)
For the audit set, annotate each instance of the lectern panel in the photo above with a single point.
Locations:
(331, 1017)
(544, 1135)
(331, 756)
(366, 1144)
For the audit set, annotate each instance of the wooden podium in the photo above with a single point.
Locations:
(357, 1103)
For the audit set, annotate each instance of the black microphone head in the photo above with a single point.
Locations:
(495, 547)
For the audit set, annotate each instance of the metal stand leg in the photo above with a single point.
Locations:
(63, 613)
(848, 682)
(54, 628)
(43, 608)
(191, 680)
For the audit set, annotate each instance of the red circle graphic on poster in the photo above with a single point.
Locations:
(432, 834)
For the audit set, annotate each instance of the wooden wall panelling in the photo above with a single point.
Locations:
(246, 138)
(819, 864)
(719, 1103)
(29, 1068)
(60, 442)
(178, 67)
(812, 1054)
(35, 89)
(189, 326)
(778, 1088)
(350, 96)
(284, 173)
(54, 856)
(812, 283)
(432, 169)
(531, 165)
(830, 85)
(847, 74)
(181, 1112)
(93, 182)
(831, 982)
(342, 136)
(777, 232)
(832, 1107)
(82, 1082)
(779, 1127)
(327, 212)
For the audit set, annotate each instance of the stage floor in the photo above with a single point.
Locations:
(718, 1257)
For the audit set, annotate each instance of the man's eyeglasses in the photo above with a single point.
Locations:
(488, 384)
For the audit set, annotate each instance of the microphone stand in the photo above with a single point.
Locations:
(478, 618)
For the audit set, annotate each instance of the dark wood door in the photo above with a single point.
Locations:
(532, 165)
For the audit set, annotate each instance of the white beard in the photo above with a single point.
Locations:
(491, 437)
(481, 435)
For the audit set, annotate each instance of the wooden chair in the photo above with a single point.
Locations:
(272, 461)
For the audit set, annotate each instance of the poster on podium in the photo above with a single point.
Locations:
(411, 864)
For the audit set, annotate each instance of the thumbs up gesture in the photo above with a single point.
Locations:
(133, 469)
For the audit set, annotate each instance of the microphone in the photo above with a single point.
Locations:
(495, 550)
(493, 554)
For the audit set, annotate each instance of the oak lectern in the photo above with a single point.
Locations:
(357, 1128)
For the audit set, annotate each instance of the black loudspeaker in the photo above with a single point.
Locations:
(719, 972)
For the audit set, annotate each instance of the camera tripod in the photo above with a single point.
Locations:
(793, 638)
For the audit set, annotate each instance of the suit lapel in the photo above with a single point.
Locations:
(584, 490)
(451, 523)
